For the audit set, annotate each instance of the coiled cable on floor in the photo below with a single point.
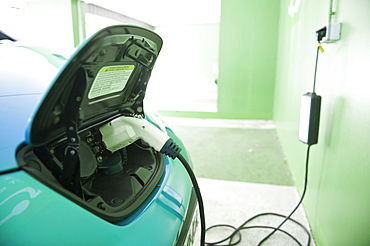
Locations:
(236, 234)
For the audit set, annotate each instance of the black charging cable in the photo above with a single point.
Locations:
(299, 203)
(314, 76)
(235, 237)
(236, 232)
(199, 198)
(320, 35)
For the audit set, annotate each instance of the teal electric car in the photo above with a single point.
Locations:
(82, 160)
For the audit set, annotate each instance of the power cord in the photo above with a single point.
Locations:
(199, 198)
(312, 139)
(237, 231)
(300, 201)
(124, 131)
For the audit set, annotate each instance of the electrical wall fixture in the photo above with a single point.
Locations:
(308, 133)
(329, 33)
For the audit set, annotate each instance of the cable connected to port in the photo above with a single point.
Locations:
(124, 131)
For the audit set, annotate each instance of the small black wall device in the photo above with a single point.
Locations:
(309, 118)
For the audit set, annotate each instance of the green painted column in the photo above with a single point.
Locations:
(78, 21)
(247, 58)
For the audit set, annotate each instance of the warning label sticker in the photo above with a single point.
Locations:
(110, 79)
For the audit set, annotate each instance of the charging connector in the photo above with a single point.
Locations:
(124, 131)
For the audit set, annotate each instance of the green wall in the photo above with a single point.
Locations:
(183, 71)
(338, 197)
(247, 58)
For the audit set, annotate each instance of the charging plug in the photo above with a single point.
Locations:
(321, 33)
(309, 118)
(124, 131)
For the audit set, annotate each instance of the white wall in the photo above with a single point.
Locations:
(183, 73)
(95, 23)
(40, 22)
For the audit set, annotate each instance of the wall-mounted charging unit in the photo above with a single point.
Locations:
(309, 118)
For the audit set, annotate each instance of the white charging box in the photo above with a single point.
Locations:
(309, 119)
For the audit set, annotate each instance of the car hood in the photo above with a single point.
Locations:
(105, 77)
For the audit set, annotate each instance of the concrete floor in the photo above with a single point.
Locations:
(233, 202)
(236, 150)
(242, 172)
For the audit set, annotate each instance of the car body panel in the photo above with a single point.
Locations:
(47, 218)
(22, 84)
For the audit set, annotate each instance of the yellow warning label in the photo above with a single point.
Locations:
(110, 79)
(116, 68)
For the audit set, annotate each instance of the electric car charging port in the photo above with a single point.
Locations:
(113, 184)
